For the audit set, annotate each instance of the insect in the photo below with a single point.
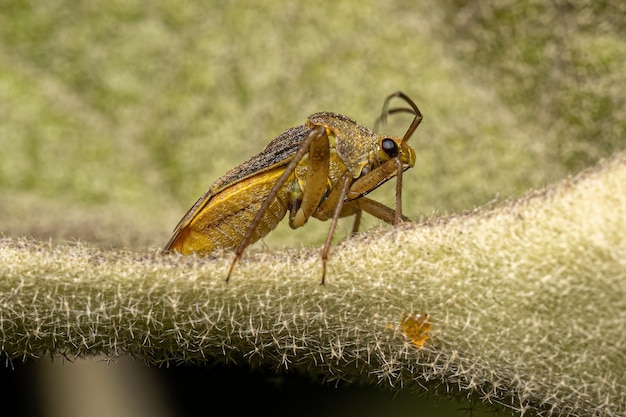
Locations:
(322, 169)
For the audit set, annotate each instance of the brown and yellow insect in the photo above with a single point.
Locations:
(322, 169)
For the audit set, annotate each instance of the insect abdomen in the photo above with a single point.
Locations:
(222, 222)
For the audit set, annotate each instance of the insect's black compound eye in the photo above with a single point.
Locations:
(389, 147)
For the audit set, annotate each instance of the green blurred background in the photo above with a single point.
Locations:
(116, 116)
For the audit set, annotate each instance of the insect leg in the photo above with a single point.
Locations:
(315, 133)
(391, 168)
(316, 180)
(345, 184)
(398, 216)
(357, 221)
(376, 209)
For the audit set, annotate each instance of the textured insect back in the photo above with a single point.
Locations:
(353, 141)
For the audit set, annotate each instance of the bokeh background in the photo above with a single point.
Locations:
(116, 116)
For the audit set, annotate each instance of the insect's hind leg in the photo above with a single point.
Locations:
(315, 133)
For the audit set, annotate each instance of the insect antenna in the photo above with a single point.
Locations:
(414, 110)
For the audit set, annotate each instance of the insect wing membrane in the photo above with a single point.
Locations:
(221, 220)
(193, 233)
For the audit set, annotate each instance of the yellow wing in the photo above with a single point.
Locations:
(219, 220)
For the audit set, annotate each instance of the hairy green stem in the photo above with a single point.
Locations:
(527, 301)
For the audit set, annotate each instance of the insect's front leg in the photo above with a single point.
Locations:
(376, 177)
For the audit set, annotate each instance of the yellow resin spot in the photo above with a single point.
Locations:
(416, 327)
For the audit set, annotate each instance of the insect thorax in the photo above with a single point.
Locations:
(355, 144)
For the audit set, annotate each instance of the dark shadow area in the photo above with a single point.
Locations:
(19, 389)
(197, 391)
(260, 392)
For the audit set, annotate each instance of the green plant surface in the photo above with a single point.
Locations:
(527, 302)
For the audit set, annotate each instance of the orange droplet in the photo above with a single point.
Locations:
(416, 327)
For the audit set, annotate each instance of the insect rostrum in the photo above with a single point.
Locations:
(322, 169)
